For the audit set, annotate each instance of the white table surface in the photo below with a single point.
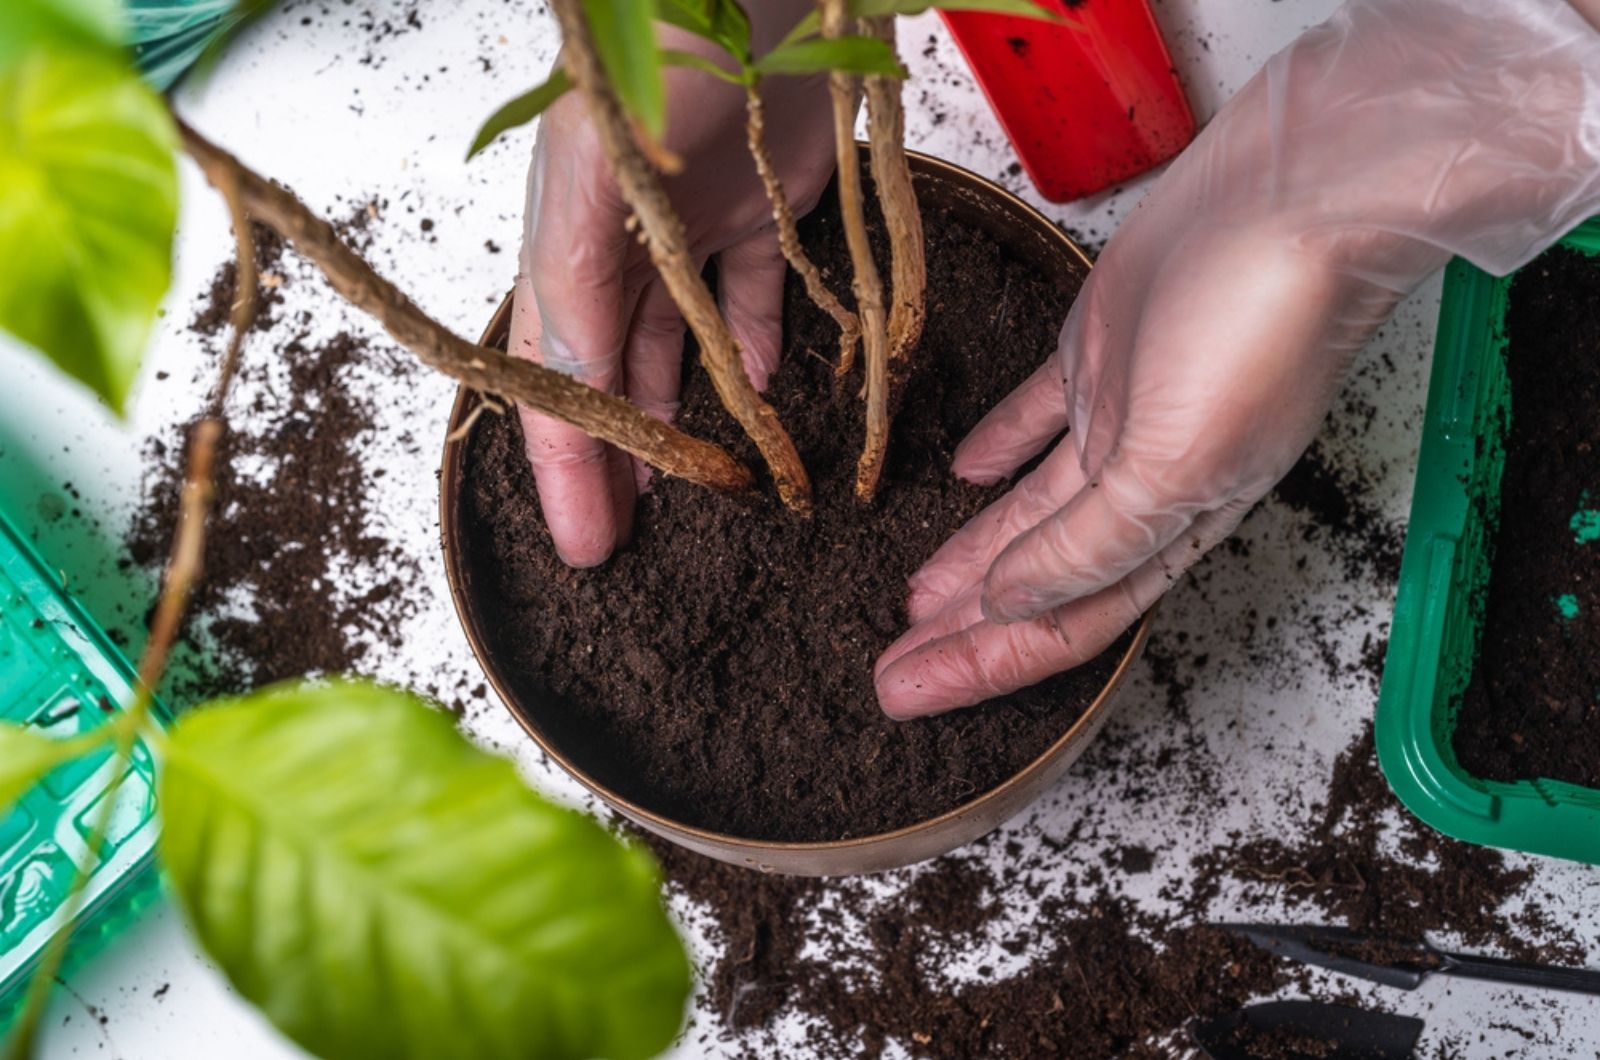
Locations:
(344, 113)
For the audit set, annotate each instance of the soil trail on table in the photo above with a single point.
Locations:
(719, 668)
(295, 579)
(1532, 708)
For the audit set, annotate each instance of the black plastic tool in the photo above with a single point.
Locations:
(1404, 965)
(1309, 1029)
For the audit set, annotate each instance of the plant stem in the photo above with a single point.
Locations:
(891, 175)
(868, 286)
(669, 252)
(789, 237)
(601, 415)
(184, 562)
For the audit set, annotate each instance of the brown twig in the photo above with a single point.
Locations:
(789, 237)
(601, 415)
(184, 561)
(891, 175)
(669, 252)
(188, 551)
(868, 286)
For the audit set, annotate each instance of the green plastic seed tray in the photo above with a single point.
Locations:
(1444, 579)
(60, 674)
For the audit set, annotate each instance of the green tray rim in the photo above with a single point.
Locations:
(1415, 704)
(140, 887)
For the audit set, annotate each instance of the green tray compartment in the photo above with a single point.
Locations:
(1444, 575)
(61, 674)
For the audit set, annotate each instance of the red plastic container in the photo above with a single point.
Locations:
(1088, 102)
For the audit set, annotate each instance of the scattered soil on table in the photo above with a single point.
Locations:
(1532, 708)
(1342, 518)
(719, 668)
(1374, 868)
(296, 581)
(1259, 1044)
(1104, 979)
(1101, 978)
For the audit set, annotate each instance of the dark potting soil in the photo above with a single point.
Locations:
(1532, 707)
(719, 668)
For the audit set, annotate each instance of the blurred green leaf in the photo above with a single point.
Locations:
(673, 57)
(87, 214)
(26, 756)
(856, 55)
(625, 37)
(522, 110)
(29, 25)
(723, 22)
(379, 887)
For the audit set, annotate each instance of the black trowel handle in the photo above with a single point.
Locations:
(1498, 970)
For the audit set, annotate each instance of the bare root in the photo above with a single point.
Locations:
(868, 286)
(789, 236)
(598, 414)
(891, 175)
(669, 252)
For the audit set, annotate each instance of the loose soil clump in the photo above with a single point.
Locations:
(719, 668)
(1532, 708)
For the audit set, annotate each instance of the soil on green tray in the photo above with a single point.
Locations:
(719, 668)
(1532, 708)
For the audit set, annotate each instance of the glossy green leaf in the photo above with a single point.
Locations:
(89, 203)
(723, 22)
(28, 26)
(379, 887)
(522, 110)
(26, 756)
(625, 37)
(855, 55)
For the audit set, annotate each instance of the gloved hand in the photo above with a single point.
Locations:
(588, 301)
(1208, 343)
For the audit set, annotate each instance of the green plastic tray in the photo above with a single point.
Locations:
(1444, 577)
(60, 673)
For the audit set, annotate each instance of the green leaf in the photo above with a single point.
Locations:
(673, 57)
(722, 22)
(856, 55)
(26, 756)
(381, 888)
(522, 110)
(27, 26)
(87, 214)
(625, 37)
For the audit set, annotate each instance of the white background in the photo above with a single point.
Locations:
(346, 114)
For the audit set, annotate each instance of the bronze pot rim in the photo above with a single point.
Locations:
(867, 853)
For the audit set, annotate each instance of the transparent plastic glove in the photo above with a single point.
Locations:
(588, 301)
(1203, 353)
